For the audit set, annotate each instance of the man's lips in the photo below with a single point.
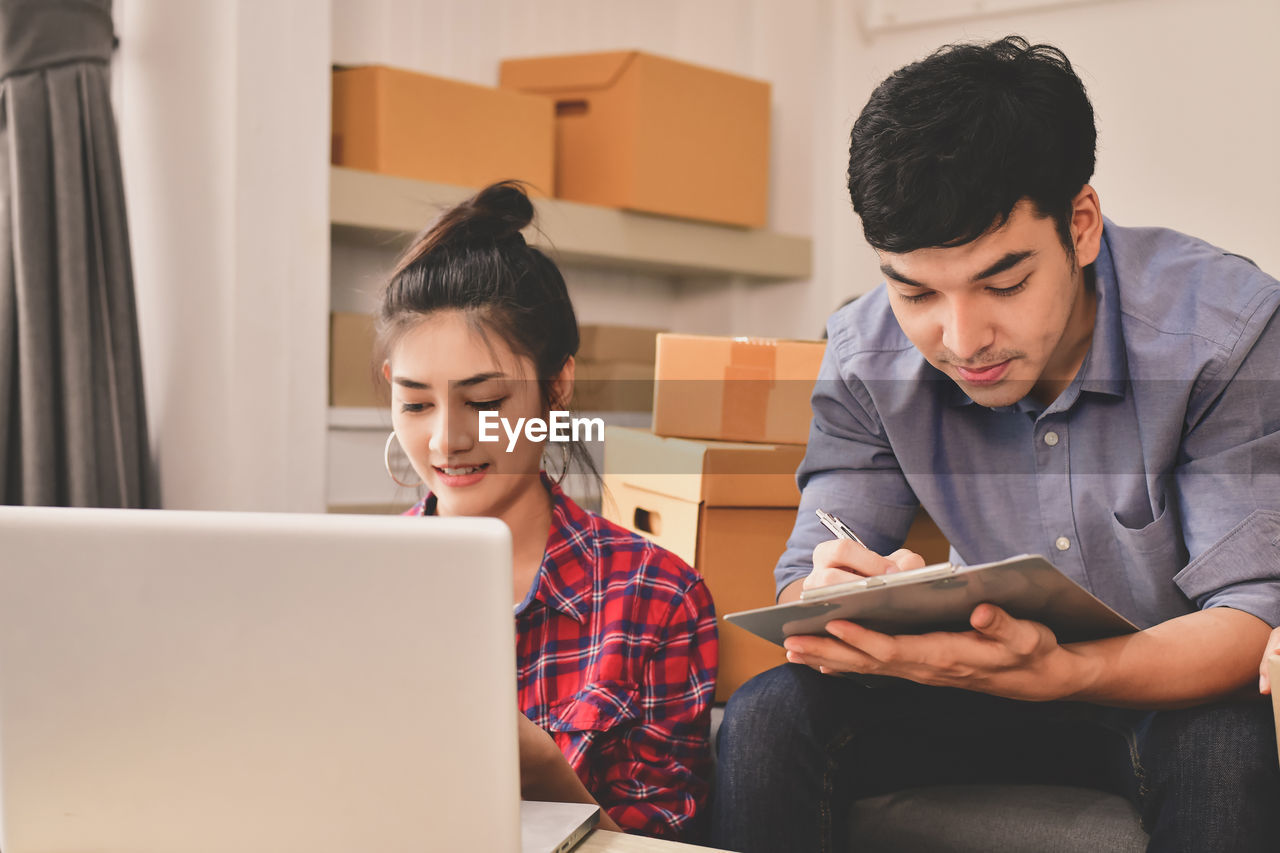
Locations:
(987, 375)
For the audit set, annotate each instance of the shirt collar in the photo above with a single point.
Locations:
(1106, 366)
(566, 577)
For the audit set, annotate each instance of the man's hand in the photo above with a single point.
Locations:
(1273, 648)
(843, 560)
(1003, 656)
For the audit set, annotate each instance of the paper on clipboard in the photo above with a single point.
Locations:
(940, 598)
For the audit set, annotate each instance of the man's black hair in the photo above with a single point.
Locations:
(947, 146)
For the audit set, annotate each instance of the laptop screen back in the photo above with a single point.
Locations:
(180, 681)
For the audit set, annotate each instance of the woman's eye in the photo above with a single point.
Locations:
(414, 407)
(487, 405)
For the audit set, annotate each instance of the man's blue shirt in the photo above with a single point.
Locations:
(1153, 480)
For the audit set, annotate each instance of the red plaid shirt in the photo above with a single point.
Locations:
(616, 654)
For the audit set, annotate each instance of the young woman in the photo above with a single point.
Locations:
(616, 638)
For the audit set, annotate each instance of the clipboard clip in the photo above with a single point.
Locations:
(927, 573)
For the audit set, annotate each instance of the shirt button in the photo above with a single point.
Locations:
(1051, 439)
(1062, 543)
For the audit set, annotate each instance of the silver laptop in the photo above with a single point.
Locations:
(176, 682)
(555, 827)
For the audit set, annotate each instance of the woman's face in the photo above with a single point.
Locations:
(443, 374)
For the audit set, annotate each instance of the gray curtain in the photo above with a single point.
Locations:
(72, 416)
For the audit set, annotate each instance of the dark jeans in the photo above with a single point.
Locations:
(796, 748)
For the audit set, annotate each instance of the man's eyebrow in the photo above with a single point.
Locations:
(890, 272)
(462, 383)
(1008, 262)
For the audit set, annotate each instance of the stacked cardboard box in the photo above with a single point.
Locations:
(735, 389)
(399, 122)
(642, 132)
(615, 366)
(725, 508)
(714, 481)
(352, 377)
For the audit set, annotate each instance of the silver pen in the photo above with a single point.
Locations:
(838, 527)
(842, 531)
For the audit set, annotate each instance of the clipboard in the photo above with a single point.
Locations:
(940, 598)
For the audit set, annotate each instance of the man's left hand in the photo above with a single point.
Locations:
(1003, 656)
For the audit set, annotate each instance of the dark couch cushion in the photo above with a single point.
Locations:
(983, 818)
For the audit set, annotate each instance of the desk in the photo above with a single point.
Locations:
(601, 841)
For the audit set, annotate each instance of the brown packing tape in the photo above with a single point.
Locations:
(748, 383)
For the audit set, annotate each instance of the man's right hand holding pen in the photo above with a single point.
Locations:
(846, 558)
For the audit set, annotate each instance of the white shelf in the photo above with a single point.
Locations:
(368, 208)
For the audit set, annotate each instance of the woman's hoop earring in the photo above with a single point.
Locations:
(386, 461)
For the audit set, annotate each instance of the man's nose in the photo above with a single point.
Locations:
(966, 330)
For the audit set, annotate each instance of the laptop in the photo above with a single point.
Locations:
(183, 682)
(555, 827)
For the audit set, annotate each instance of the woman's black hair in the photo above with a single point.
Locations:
(947, 146)
(474, 259)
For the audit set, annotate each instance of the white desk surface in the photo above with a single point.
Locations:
(601, 841)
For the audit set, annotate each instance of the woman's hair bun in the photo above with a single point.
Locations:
(497, 213)
(499, 210)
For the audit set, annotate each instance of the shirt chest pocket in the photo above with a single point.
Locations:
(598, 707)
(1156, 547)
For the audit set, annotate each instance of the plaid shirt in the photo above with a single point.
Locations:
(616, 654)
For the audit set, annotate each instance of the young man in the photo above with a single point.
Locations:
(1041, 381)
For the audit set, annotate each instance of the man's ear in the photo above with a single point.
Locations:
(562, 385)
(1086, 225)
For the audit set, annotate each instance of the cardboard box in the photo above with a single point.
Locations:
(414, 125)
(613, 386)
(635, 344)
(927, 540)
(643, 132)
(725, 509)
(735, 389)
(352, 376)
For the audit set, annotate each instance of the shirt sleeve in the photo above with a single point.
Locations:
(1228, 476)
(656, 772)
(849, 470)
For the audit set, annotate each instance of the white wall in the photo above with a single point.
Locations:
(223, 114)
(223, 110)
(1187, 99)
(785, 43)
(1187, 94)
